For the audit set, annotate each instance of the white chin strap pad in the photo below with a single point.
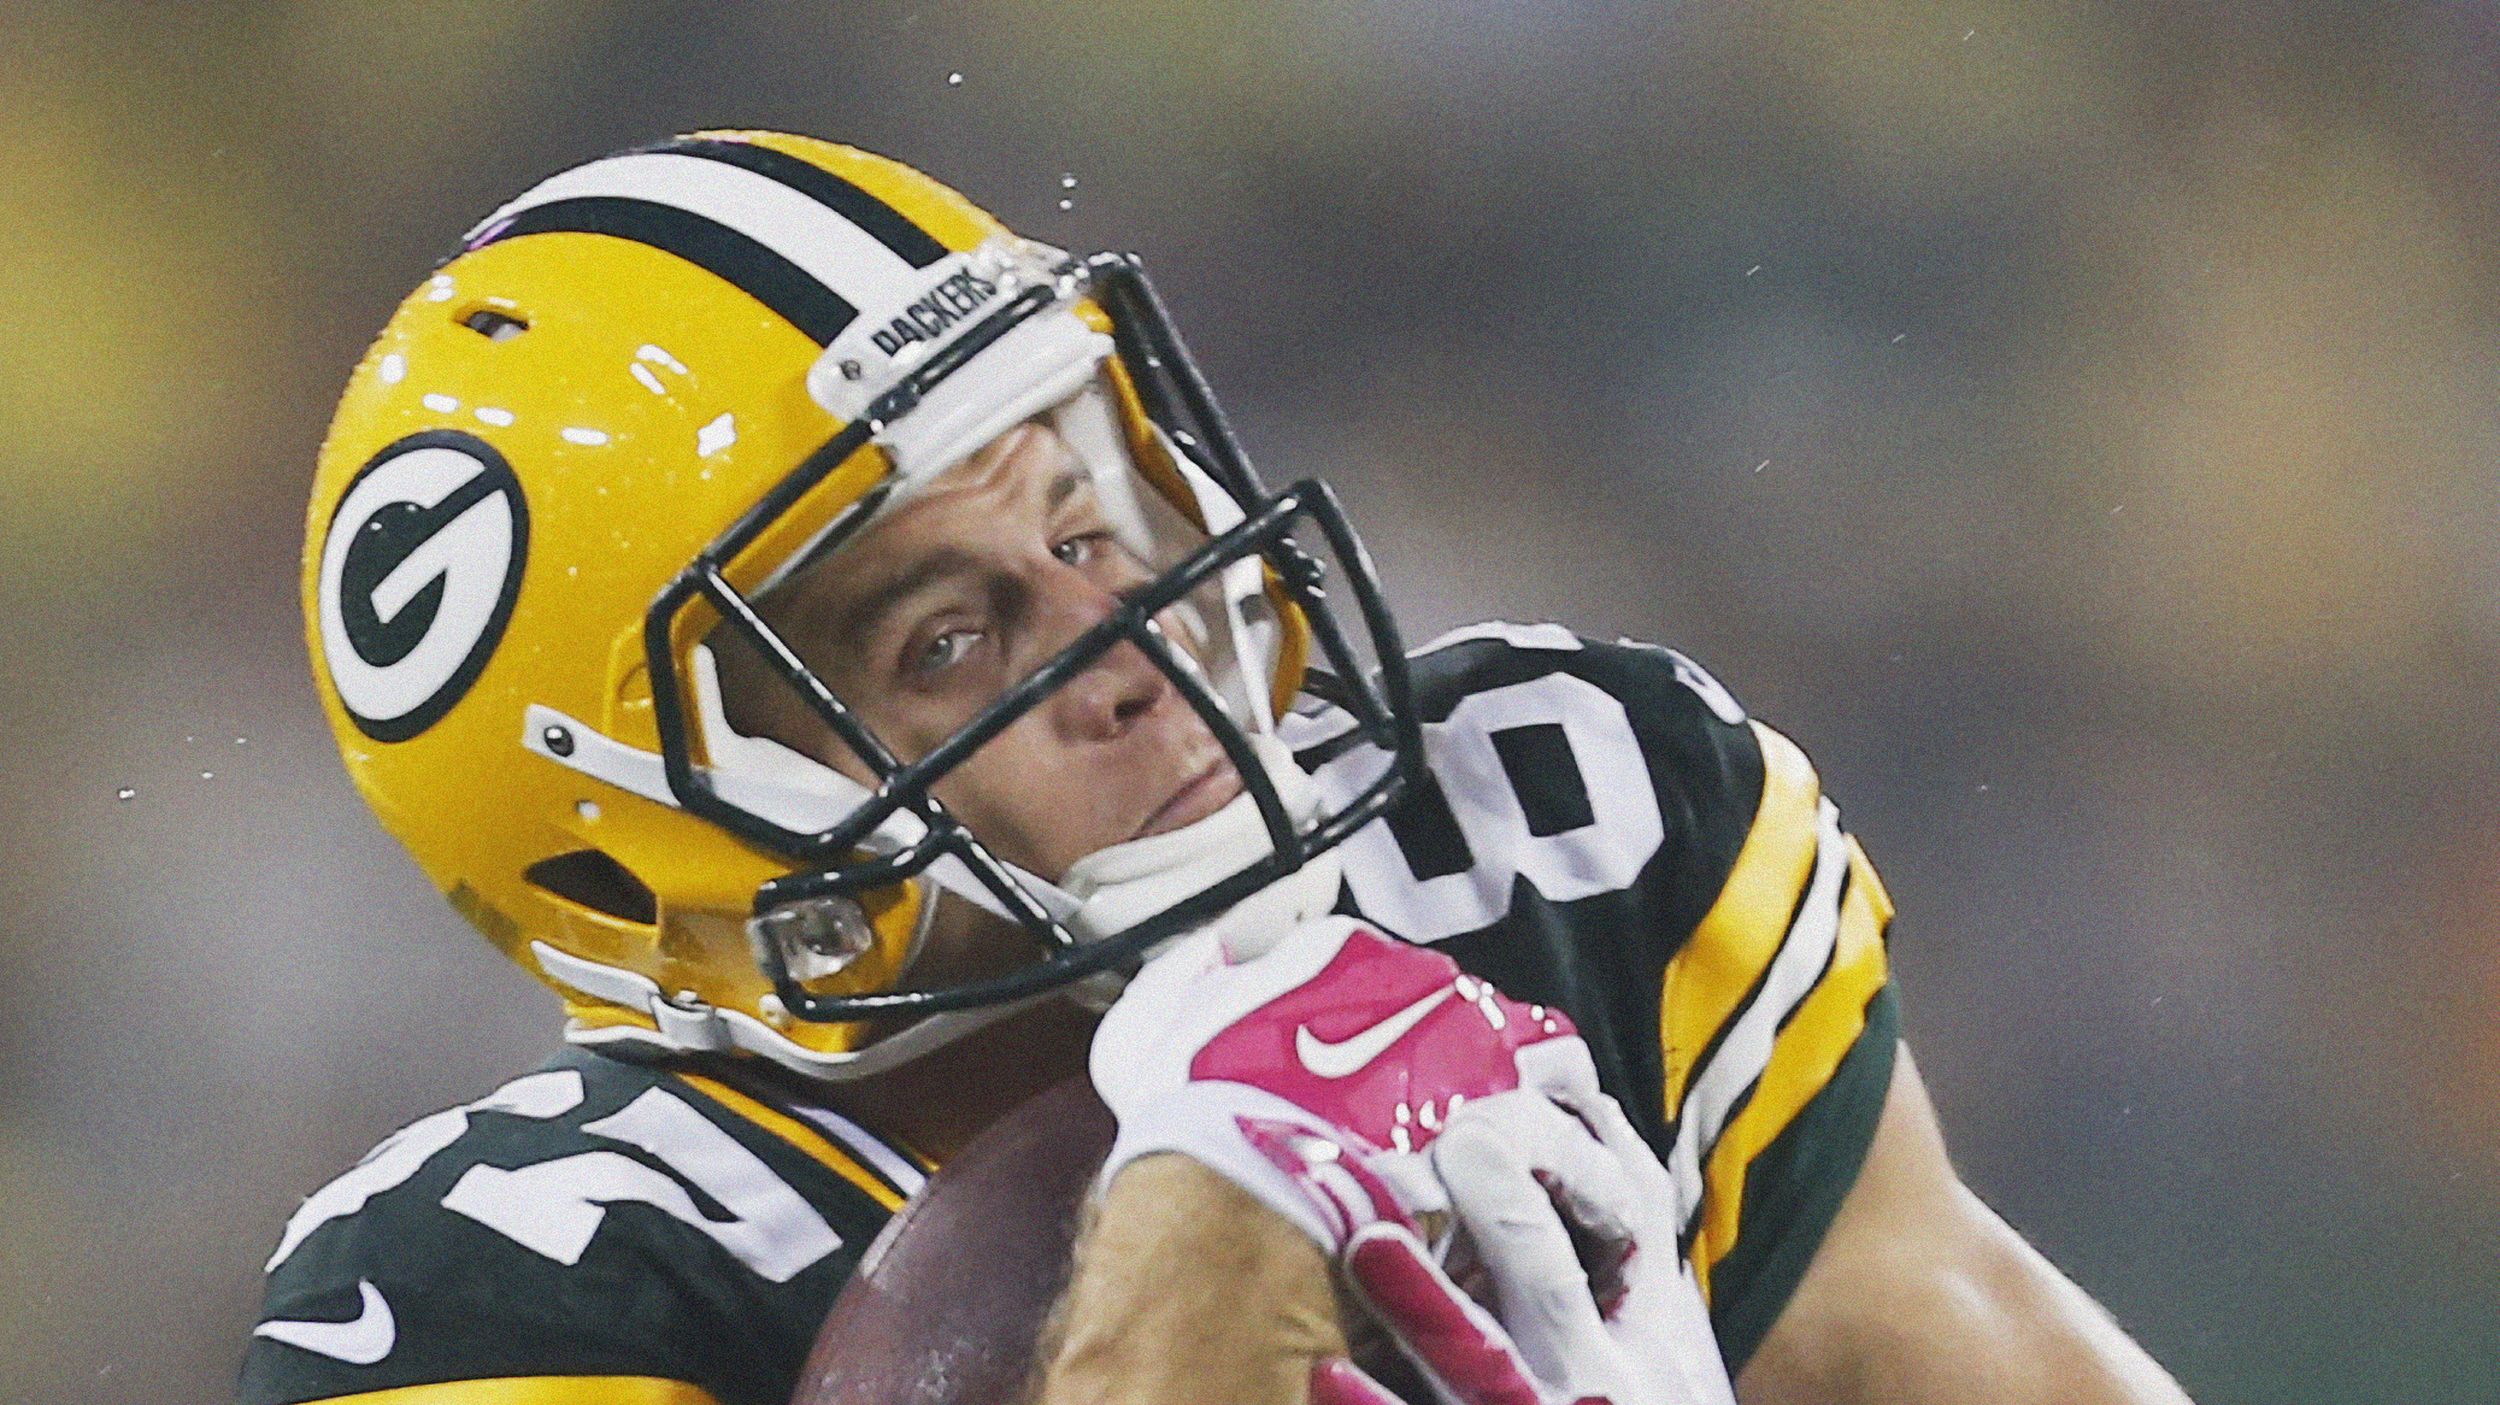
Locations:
(1114, 889)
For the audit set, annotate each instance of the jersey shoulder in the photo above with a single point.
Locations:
(1698, 736)
(595, 1218)
(1602, 827)
(1592, 770)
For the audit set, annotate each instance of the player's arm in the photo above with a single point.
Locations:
(1920, 1293)
(1182, 1279)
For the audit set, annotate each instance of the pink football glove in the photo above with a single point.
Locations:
(1318, 1074)
(1354, 1083)
(1639, 1334)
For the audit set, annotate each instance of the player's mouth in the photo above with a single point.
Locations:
(1210, 790)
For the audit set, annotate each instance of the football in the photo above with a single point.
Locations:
(949, 1300)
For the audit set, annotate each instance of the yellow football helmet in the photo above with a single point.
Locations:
(633, 401)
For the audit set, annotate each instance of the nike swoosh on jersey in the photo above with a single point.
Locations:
(359, 1341)
(1346, 1056)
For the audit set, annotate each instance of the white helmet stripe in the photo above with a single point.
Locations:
(795, 232)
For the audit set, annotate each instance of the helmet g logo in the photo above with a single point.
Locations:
(418, 575)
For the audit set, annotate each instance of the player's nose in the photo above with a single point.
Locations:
(1118, 690)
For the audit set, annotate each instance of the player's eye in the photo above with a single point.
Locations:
(1082, 548)
(942, 651)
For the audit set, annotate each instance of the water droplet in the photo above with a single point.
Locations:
(126, 793)
(1067, 182)
(1067, 204)
(954, 80)
(587, 809)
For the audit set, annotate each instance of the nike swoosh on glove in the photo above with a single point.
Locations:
(1318, 1074)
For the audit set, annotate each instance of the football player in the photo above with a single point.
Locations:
(831, 641)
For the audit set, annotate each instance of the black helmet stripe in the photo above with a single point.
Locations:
(811, 247)
(766, 276)
(909, 240)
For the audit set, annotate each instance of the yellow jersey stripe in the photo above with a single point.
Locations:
(1824, 1028)
(815, 1144)
(536, 1390)
(1735, 940)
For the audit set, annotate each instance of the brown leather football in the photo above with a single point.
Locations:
(948, 1301)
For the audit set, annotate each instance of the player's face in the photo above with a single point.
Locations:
(964, 590)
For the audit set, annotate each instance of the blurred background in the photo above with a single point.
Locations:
(2075, 424)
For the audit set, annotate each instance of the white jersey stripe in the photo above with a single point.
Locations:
(847, 259)
(906, 1177)
(1804, 954)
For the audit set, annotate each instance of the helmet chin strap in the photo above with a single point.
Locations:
(1101, 895)
(686, 1025)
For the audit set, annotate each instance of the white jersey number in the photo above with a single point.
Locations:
(1602, 856)
(554, 1207)
(405, 1152)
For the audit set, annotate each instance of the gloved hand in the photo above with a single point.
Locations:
(1632, 1330)
(1318, 1074)
(1358, 1085)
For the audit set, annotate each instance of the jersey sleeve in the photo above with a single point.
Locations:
(627, 1240)
(1777, 1019)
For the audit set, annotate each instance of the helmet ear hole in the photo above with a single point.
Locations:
(494, 325)
(591, 879)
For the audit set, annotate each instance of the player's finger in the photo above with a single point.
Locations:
(1600, 1199)
(1581, 1173)
(1462, 1351)
(1561, 1068)
(1615, 1131)
(1544, 1294)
